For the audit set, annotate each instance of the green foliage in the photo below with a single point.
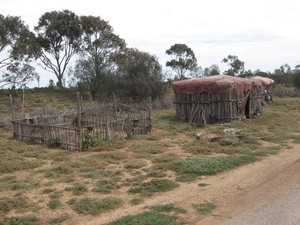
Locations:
(10, 162)
(95, 206)
(99, 43)
(11, 183)
(139, 75)
(54, 143)
(186, 177)
(57, 170)
(297, 80)
(167, 208)
(23, 220)
(155, 185)
(59, 219)
(236, 66)
(59, 36)
(102, 145)
(79, 188)
(201, 165)
(183, 59)
(204, 208)
(136, 201)
(135, 164)
(147, 218)
(106, 186)
(8, 204)
(54, 204)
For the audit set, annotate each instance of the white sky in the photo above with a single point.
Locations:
(263, 33)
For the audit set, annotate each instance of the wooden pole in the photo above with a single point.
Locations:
(150, 113)
(115, 103)
(79, 121)
(44, 137)
(13, 115)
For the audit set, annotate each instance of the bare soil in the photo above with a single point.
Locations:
(234, 192)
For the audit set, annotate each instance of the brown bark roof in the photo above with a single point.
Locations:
(213, 84)
(264, 80)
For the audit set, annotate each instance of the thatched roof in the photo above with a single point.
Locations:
(212, 84)
(264, 80)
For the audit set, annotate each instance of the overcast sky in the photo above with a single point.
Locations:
(263, 33)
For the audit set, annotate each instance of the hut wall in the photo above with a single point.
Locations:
(203, 108)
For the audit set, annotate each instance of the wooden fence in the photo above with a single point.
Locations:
(80, 130)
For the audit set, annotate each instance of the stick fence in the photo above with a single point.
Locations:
(80, 130)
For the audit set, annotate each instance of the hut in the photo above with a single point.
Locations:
(266, 85)
(217, 99)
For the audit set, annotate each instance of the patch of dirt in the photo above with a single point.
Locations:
(234, 191)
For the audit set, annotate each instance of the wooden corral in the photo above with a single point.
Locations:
(217, 99)
(80, 130)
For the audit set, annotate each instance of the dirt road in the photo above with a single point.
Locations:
(268, 196)
(265, 192)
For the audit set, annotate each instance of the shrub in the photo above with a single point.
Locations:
(204, 208)
(95, 206)
(24, 220)
(147, 218)
(155, 185)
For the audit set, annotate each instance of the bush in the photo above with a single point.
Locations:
(155, 185)
(95, 206)
(147, 218)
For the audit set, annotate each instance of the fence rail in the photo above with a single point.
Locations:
(80, 130)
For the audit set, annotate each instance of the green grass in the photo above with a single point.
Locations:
(106, 186)
(58, 170)
(136, 201)
(135, 164)
(145, 149)
(168, 208)
(147, 218)
(108, 145)
(59, 219)
(54, 204)
(204, 208)
(79, 189)
(11, 162)
(8, 204)
(23, 220)
(155, 185)
(205, 165)
(95, 206)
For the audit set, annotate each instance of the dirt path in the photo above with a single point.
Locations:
(235, 192)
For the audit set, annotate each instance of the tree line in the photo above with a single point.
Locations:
(185, 66)
(103, 63)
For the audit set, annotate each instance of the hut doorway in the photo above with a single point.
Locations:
(247, 109)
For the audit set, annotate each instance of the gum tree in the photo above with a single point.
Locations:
(59, 39)
(16, 52)
(183, 60)
(99, 45)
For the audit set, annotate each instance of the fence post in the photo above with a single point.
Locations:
(79, 121)
(150, 113)
(44, 140)
(12, 114)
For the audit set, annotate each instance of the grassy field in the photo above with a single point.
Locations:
(51, 186)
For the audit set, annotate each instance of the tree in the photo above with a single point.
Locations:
(236, 66)
(99, 45)
(139, 75)
(212, 70)
(183, 59)
(59, 39)
(283, 70)
(297, 80)
(16, 52)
